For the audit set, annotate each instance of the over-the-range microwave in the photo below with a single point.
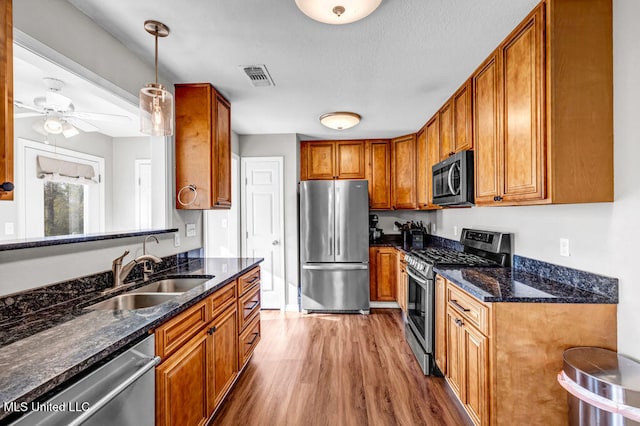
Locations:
(453, 180)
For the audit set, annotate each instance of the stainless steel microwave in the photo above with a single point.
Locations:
(453, 180)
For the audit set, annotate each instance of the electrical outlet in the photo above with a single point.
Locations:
(455, 231)
(176, 239)
(432, 228)
(8, 228)
(564, 247)
(190, 230)
(223, 223)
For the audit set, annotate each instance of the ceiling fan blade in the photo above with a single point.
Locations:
(81, 124)
(21, 104)
(27, 114)
(95, 116)
(57, 101)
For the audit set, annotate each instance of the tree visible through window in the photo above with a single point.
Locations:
(63, 208)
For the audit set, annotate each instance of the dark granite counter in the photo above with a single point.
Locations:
(515, 285)
(81, 338)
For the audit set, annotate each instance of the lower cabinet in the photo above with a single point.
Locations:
(501, 359)
(382, 274)
(202, 351)
(402, 282)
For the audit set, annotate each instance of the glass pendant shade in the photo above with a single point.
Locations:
(156, 110)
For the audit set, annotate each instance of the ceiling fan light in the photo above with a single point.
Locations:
(337, 12)
(69, 131)
(340, 120)
(53, 125)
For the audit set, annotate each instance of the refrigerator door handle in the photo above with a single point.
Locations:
(337, 267)
(330, 229)
(338, 213)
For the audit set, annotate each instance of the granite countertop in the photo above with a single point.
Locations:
(514, 285)
(37, 363)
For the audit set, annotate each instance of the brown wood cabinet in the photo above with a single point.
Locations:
(332, 160)
(248, 315)
(223, 363)
(403, 170)
(462, 114)
(542, 109)
(379, 173)
(203, 147)
(446, 130)
(6, 96)
(497, 355)
(382, 274)
(428, 154)
(402, 281)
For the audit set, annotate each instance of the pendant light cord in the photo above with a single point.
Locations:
(156, 34)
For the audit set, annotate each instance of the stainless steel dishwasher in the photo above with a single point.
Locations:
(121, 392)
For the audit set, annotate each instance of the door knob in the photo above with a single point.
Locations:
(275, 243)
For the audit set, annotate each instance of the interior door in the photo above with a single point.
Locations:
(263, 224)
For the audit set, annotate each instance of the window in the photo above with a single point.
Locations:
(63, 208)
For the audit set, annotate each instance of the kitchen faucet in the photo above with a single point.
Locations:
(120, 272)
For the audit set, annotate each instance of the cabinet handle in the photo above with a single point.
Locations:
(497, 198)
(255, 336)
(254, 279)
(211, 330)
(459, 306)
(451, 153)
(253, 305)
(459, 322)
(6, 187)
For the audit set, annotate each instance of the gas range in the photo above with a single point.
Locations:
(423, 261)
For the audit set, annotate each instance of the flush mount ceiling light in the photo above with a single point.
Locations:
(337, 12)
(156, 103)
(340, 120)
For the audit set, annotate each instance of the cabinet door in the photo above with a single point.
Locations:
(223, 366)
(320, 160)
(446, 131)
(452, 348)
(373, 274)
(6, 97)
(462, 113)
(386, 273)
(476, 385)
(441, 324)
(350, 160)
(379, 174)
(486, 119)
(404, 172)
(423, 171)
(401, 281)
(523, 97)
(433, 154)
(181, 385)
(223, 153)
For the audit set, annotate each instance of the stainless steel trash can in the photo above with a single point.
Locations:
(603, 387)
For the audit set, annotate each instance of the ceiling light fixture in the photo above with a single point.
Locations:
(337, 12)
(53, 124)
(340, 120)
(156, 103)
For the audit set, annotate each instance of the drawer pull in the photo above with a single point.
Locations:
(256, 278)
(255, 336)
(253, 305)
(459, 322)
(459, 306)
(211, 330)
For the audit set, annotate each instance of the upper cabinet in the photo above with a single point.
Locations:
(6, 97)
(543, 109)
(455, 123)
(403, 168)
(445, 116)
(379, 173)
(203, 148)
(428, 154)
(332, 160)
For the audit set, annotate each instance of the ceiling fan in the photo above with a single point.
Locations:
(59, 114)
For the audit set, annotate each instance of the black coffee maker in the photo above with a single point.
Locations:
(374, 232)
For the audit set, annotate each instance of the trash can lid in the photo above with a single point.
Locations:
(605, 373)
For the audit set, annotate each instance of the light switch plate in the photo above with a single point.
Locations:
(564, 247)
(190, 230)
(176, 239)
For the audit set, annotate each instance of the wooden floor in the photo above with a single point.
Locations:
(323, 369)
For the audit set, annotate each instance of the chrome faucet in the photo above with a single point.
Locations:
(148, 269)
(120, 272)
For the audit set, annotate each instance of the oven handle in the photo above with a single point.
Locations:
(115, 391)
(421, 281)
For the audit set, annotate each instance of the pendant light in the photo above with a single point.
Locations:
(156, 103)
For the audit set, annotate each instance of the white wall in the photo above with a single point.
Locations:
(123, 171)
(603, 236)
(287, 146)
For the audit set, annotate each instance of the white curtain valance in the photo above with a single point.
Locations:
(65, 171)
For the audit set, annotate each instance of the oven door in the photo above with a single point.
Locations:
(420, 313)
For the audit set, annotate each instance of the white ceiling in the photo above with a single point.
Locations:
(395, 68)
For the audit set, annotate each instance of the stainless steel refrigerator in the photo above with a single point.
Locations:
(334, 245)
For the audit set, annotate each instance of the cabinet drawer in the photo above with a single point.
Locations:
(248, 280)
(222, 298)
(248, 340)
(248, 307)
(177, 331)
(468, 308)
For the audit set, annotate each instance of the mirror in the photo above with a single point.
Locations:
(81, 165)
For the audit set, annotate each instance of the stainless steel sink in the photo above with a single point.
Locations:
(172, 285)
(132, 301)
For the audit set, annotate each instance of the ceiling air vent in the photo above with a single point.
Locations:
(257, 75)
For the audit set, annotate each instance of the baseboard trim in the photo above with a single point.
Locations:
(384, 305)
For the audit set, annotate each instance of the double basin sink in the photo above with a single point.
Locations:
(151, 294)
